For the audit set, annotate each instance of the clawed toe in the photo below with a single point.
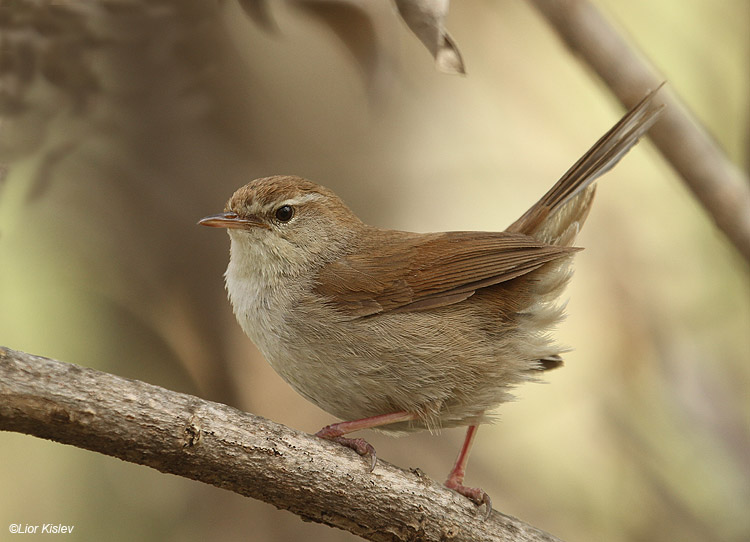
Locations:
(359, 445)
(477, 495)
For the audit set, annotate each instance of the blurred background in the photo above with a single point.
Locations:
(125, 122)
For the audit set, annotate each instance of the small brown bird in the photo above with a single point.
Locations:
(403, 331)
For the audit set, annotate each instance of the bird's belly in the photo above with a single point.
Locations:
(418, 362)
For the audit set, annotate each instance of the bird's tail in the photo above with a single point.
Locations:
(558, 216)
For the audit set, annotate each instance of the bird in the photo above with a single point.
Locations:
(400, 331)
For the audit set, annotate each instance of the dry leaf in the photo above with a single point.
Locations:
(425, 19)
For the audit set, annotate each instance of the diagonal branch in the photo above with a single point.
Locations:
(721, 187)
(219, 445)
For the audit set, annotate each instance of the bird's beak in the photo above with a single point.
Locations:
(232, 220)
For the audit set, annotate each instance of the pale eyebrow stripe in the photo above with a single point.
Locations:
(311, 196)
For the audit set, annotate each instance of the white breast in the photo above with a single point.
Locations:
(262, 294)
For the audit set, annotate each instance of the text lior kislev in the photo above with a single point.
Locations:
(42, 528)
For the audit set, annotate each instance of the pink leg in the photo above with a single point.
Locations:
(336, 431)
(455, 479)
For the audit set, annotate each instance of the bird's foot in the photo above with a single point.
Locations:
(359, 445)
(475, 494)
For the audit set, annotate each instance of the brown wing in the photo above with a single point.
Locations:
(423, 271)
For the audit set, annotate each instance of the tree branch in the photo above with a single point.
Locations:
(181, 434)
(719, 185)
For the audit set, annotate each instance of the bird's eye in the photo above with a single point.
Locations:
(284, 213)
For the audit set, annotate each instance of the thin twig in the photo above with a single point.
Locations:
(721, 187)
(181, 434)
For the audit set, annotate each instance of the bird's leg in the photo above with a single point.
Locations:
(336, 432)
(455, 479)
